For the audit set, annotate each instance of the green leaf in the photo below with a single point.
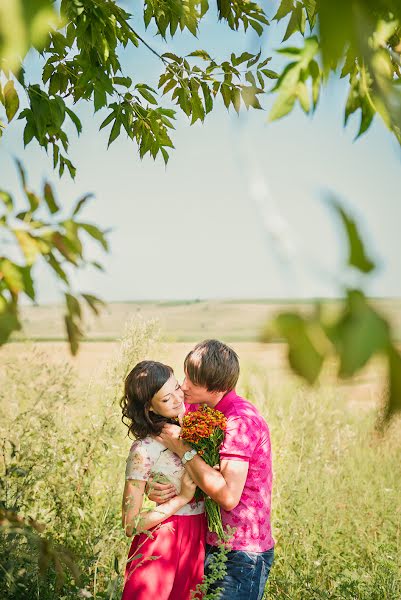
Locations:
(286, 6)
(28, 244)
(310, 6)
(269, 73)
(249, 96)
(12, 276)
(172, 56)
(96, 233)
(11, 100)
(225, 91)
(50, 200)
(171, 84)
(72, 170)
(99, 98)
(256, 26)
(54, 85)
(125, 81)
(236, 99)
(74, 334)
(93, 302)
(200, 54)
(29, 132)
(282, 106)
(74, 118)
(242, 58)
(296, 22)
(146, 94)
(357, 256)
(21, 171)
(73, 306)
(56, 153)
(253, 60)
(81, 203)
(56, 266)
(7, 200)
(250, 78)
(207, 97)
(9, 320)
(303, 96)
(164, 154)
(28, 282)
(359, 333)
(108, 120)
(314, 72)
(304, 357)
(115, 130)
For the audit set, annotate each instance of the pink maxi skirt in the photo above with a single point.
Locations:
(179, 545)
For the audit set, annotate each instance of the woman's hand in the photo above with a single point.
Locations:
(170, 438)
(188, 487)
(159, 492)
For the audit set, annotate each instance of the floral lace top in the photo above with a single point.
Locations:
(149, 457)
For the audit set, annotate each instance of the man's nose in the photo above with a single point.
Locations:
(184, 386)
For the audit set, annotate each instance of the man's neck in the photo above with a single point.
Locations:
(212, 402)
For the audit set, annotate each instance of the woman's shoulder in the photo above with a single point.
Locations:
(142, 456)
(145, 446)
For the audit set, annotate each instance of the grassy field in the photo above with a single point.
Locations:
(337, 487)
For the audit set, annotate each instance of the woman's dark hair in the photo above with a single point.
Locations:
(141, 384)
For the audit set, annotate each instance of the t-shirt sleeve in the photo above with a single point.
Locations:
(139, 462)
(240, 439)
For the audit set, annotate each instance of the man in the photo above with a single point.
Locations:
(242, 485)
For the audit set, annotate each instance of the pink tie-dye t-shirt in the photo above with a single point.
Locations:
(247, 439)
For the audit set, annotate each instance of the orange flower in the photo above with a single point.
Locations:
(204, 430)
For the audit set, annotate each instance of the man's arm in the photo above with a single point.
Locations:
(224, 486)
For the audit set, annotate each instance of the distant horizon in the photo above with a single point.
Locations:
(232, 300)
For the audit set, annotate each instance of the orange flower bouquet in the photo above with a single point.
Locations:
(204, 430)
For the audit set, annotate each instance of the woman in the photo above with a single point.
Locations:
(165, 561)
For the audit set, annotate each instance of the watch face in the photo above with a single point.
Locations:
(189, 454)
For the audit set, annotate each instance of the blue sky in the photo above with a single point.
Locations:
(239, 211)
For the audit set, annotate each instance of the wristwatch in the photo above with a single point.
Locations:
(189, 454)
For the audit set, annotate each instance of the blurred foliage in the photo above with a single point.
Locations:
(355, 334)
(42, 233)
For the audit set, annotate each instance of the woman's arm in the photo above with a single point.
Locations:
(135, 519)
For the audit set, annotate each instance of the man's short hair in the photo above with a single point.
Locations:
(213, 365)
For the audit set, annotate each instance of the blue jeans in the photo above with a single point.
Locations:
(247, 574)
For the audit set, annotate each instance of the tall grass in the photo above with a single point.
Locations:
(64, 451)
(336, 511)
(337, 496)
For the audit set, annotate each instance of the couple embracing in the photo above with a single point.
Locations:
(168, 470)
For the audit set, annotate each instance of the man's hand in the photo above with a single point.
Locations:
(159, 492)
(170, 437)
